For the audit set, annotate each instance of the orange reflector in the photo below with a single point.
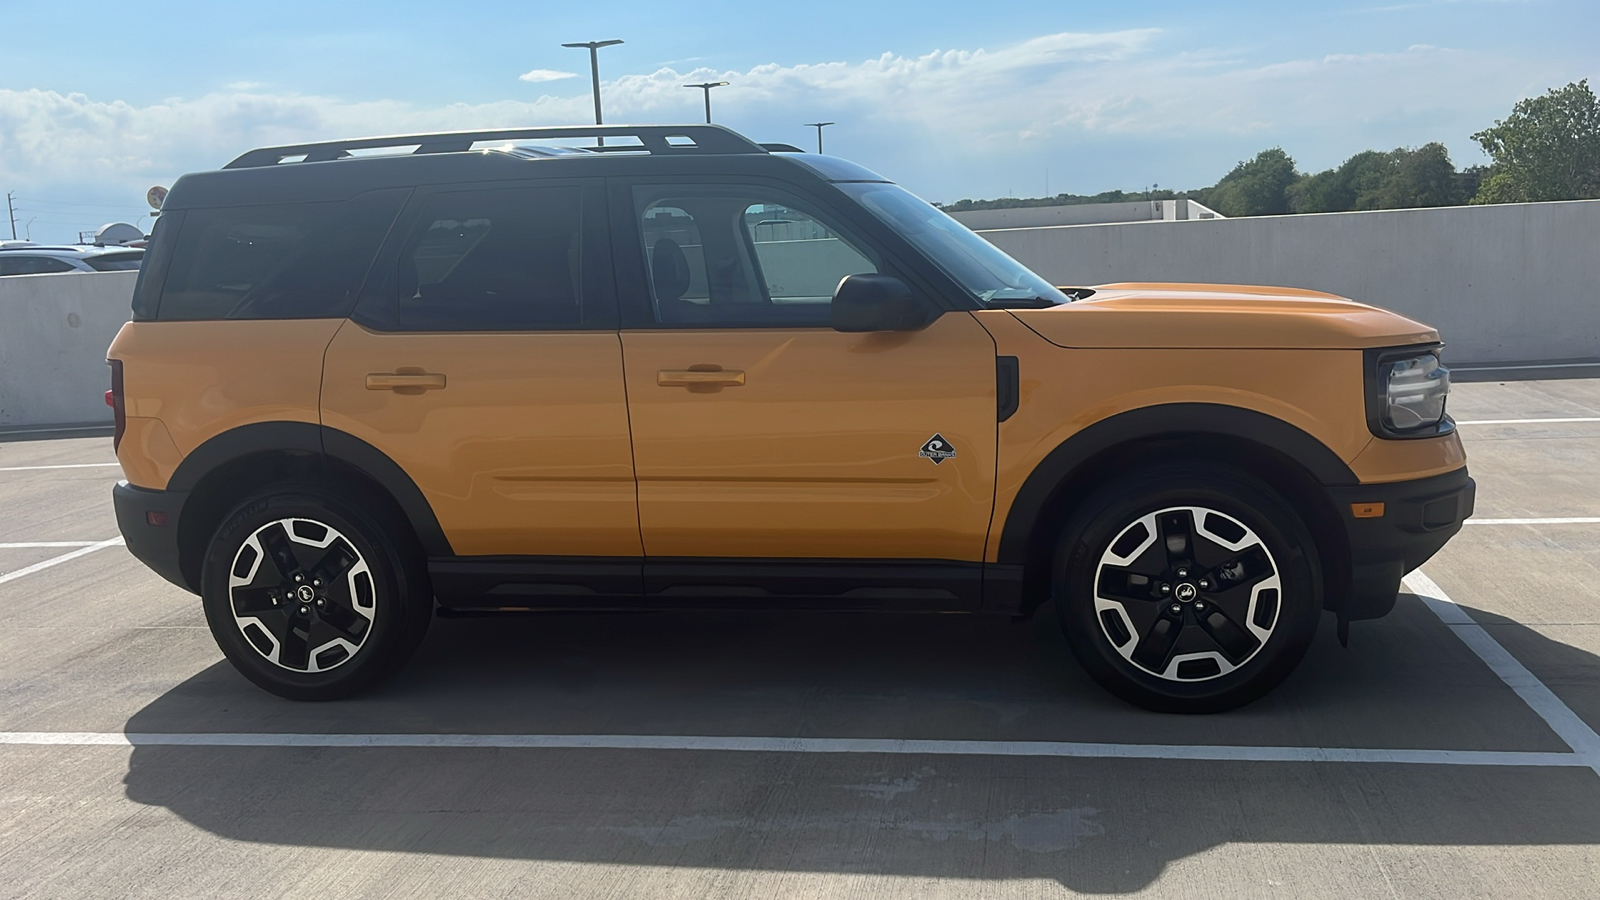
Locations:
(1367, 510)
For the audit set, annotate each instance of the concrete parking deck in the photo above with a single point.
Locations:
(1449, 752)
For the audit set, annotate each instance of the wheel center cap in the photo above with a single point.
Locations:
(1186, 592)
(305, 594)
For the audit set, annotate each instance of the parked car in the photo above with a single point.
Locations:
(26, 258)
(357, 388)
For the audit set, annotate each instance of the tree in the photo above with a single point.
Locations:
(1255, 187)
(1421, 177)
(1547, 149)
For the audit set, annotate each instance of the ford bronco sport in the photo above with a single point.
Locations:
(681, 369)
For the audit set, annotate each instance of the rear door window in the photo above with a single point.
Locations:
(282, 261)
(509, 259)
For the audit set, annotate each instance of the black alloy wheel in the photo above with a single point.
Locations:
(1188, 588)
(311, 598)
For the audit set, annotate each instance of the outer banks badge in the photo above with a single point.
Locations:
(937, 449)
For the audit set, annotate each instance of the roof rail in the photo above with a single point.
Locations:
(655, 138)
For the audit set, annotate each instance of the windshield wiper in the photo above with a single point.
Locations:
(1021, 303)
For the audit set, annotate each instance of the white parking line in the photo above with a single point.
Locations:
(1065, 749)
(1560, 717)
(1528, 421)
(58, 560)
(69, 466)
(30, 545)
(1568, 520)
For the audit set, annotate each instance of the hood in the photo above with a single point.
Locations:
(1221, 316)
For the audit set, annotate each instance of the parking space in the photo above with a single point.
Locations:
(814, 755)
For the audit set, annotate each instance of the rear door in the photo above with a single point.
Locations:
(484, 359)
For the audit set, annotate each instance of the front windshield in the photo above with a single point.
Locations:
(978, 265)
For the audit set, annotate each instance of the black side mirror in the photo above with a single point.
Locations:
(878, 303)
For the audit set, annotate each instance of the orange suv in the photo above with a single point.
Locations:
(495, 371)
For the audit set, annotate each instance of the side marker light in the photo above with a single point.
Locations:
(1367, 510)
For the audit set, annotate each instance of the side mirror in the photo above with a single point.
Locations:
(878, 303)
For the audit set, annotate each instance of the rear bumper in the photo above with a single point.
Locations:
(1418, 518)
(154, 545)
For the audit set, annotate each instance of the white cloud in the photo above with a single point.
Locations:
(538, 75)
(1112, 109)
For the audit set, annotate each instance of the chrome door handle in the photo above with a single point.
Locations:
(692, 378)
(405, 381)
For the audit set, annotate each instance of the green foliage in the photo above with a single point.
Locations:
(1058, 200)
(1547, 149)
(1399, 179)
(1255, 187)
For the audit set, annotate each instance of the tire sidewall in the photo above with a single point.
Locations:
(1113, 508)
(394, 632)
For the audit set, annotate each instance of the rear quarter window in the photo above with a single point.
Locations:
(115, 262)
(280, 261)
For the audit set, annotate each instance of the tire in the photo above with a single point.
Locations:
(1190, 588)
(312, 597)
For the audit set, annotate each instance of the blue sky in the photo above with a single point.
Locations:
(952, 99)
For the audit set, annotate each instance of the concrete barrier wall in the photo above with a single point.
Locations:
(54, 331)
(1513, 283)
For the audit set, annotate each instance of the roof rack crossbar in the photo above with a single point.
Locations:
(654, 138)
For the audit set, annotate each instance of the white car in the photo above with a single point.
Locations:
(25, 258)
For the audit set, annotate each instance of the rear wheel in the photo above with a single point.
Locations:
(1188, 588)
(310, 597)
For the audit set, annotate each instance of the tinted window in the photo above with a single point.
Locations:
(730, 257)
(12, 264)
(116, 262)
(287, 261)
(502, 260)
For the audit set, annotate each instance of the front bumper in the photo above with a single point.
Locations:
(1418, 518)
(157, 546)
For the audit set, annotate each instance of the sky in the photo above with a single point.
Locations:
(952, 99)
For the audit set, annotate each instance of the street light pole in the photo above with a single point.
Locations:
(819, 126)
(707, 86)
(594, 74)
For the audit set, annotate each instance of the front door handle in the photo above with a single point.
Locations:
(700, 377)
(406, 380)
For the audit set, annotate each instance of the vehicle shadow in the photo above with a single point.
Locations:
(1094, 825)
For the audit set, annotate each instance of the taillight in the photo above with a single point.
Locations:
(115, 400)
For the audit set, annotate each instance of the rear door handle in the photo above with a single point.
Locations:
(692, 378)
(405, 381)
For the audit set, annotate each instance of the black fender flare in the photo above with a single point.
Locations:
(323, 443)
(1172, 420)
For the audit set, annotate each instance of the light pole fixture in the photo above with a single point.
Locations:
(819, 126)
(594, 73)
(707, 86)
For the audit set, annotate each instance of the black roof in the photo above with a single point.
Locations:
(338, 170)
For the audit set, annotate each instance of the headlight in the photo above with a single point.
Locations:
(1407, 388)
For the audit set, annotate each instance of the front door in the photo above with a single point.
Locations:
(759, 432)
(484, 359)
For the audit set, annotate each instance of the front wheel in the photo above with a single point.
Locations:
(1187, 588)
(309, 596)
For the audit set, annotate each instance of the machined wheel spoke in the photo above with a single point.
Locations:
(1234, 640)
(1244, 569)
(338, 560)
(1155, 647)
(1177, 536)
(275, 541)
(253, 601)
(340, 618)
(1117, 583)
